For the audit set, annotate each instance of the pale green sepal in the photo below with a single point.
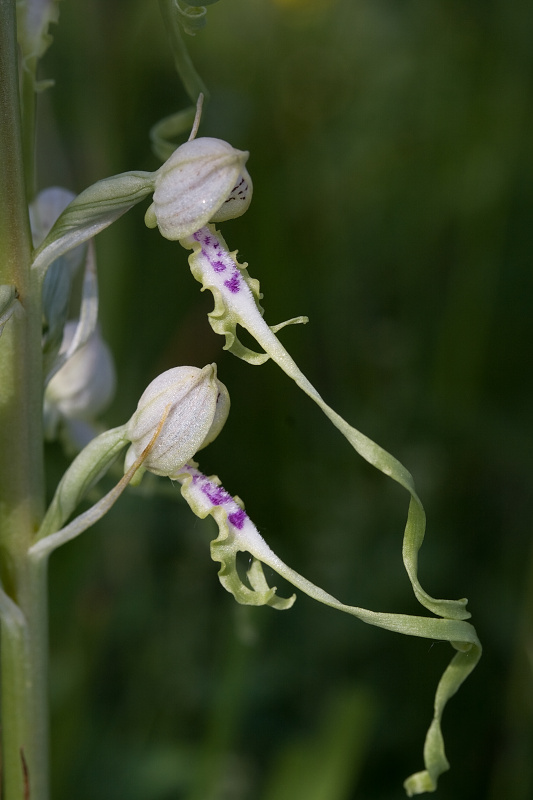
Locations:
(85, 471)
(8, 304)
(91, 212)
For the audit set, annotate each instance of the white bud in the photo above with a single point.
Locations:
(84, 385)
(190, 405)
(203, 180)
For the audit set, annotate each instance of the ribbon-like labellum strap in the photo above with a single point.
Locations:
(237, 303)
(237, 533)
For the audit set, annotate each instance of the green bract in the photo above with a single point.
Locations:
(91, 212)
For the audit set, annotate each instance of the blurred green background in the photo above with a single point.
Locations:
(390, 151)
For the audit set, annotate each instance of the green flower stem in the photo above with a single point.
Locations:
(182, 60)
(23, 602)
(28, 103)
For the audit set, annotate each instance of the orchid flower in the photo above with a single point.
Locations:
(205, 181)
(236, 302)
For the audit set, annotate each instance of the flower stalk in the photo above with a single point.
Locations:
(23, 592)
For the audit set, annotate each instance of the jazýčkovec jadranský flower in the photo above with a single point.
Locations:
(236, 302)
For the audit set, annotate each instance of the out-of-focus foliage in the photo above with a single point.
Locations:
(391, 159)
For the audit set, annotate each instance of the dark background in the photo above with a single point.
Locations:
(390, 149)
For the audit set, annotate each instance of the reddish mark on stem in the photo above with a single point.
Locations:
(26, 775)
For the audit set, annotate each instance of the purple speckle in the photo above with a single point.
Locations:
(215, 494)
(197, 236)
(218, 266)
(238, 518)
(233, 284)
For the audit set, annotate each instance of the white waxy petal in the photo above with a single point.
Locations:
(182, 402)
(193, 185)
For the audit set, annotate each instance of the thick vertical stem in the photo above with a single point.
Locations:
(23, 642)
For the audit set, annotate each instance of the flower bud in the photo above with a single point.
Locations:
(196, 406)
(84, 385)
(204, 179)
